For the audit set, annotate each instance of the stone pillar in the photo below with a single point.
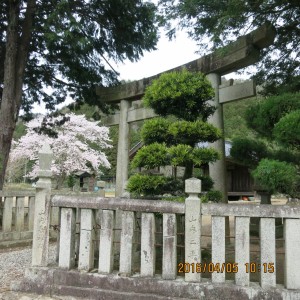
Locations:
(42, 209)
(123, 149)
(193, 229)
(217, 170)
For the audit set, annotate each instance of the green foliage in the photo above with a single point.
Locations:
(287, 130)
(71, 181)
(190, 133)
(173, 186)
(235, 119)
(277, 176)
(162, 130)
(180, 199)
(206, 182)
(140, 184)
(180, 154)
(204, 155)
(212, 196)
(248, 152)
(221, 22)
(72, 42)
(156, 130)
(263, 115)
(20, 130)
(287, 155)
(151, 156)
(182, 94)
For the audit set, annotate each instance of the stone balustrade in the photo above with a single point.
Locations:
(193, 210)
(91, 262)
(17, 215)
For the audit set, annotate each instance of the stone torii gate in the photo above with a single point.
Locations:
(243, 52)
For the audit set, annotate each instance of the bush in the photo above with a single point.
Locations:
(204, 155)
(190, 133)
(264, 115)
(248, 152)
(212, 196)
(180, 154)
(151, 156)
(277, 176)
(182, 94)
(156, 131)
(287, 130)
(206, 182)
(71, 181)
(143, 185)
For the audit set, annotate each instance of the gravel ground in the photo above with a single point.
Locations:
(13, 262)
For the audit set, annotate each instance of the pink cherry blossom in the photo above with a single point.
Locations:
(72, 149)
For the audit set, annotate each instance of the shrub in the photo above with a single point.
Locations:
(248, 152)
(180, 154)
(264, 115)
(204, 155)
(277, 176)
(287, 130)
(190, 133)
(182, 94)
(142, 185)
(151, 156)
(206, 182)
(156, 131)
(212, 196)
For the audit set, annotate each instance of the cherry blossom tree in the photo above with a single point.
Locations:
(77, 145)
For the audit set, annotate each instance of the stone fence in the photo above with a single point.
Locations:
(17, 214)
(93, 264)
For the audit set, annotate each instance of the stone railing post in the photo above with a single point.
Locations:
(192, 229)
(42, 209)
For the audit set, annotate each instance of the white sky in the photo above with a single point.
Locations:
(169, 54)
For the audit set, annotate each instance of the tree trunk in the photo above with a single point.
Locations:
(16, 55)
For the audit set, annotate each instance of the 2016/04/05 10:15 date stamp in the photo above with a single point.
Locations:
(250, 267)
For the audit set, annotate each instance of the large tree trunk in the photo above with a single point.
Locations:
(17, 49)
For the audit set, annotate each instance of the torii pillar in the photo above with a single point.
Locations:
(244, 52)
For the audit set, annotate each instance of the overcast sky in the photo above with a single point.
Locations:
(169, 54)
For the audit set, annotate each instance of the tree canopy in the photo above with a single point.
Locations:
(51, 49)
(72, 43)
(274, 155)
(216, 23)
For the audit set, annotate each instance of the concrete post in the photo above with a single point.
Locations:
(127, 246)
(169, 264)
(123, 149)
(267, 253)
(87, 235)
(67, 238)
(148, 245)
(31, 204)
(106, 253)
(217, 170)
(19, 225)
(242, 250)
(192, 229)
(42, 209)
(292, 259)
(7, 214)
(218, 247)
